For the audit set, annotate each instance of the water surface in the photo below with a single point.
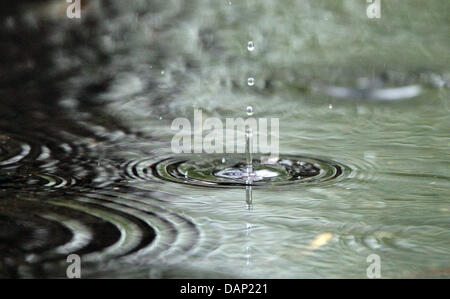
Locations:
(85, 113)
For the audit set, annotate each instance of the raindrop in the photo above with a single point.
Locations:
(250, 46)
(249, 110)
(330, 106)
(162, 72)
(251, 81)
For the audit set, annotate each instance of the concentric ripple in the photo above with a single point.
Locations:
(231, 171)
(37, 180)
(12, 151)
(97, 226)
(40, 161)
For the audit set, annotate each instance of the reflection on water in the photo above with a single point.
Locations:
(86, 165)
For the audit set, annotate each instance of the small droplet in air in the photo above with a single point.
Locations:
(160, 118)
(162, 72)
(223, 160)
(251, 81)
(330, 106)
(250, 46)
(249, 110)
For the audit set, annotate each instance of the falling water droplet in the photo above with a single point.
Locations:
(249, 110)
(250, 46)
(160, 118)
(223, 160)
(162, 72)
(251, 81)
(330, 106)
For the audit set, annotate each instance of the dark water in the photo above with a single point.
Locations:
(86, 165)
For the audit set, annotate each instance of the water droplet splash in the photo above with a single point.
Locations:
(237, 170)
